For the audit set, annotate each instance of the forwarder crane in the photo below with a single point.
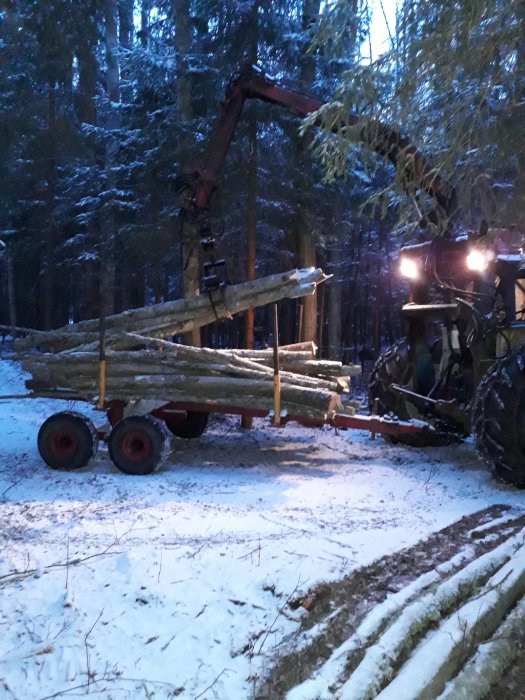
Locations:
(251, 82)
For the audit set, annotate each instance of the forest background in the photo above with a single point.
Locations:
(105, 107)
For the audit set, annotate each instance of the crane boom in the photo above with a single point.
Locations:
(250, 82)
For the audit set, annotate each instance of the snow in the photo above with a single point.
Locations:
(176, 584)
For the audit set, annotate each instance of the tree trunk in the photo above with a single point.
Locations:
(190, 241)
(251, 225)
(306, 241)
(125, 11)
(207, 376)
(334, 300)
(108, 222)
(11, 290)
(49, 231)
(87, 83)
(251, 202)
(145, 7)
(125, 15)
(307, 258)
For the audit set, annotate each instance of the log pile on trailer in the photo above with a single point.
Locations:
(180, 373)
(141, 364)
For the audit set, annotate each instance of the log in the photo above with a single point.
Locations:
(66, 369)
(182, 315)
(210, 391)
(62, 368)
(315, 368)
(307, 345)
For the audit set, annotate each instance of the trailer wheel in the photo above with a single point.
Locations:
(395, 366)
(498, 418)
(137, 444)
(67, 440)
(190, 424)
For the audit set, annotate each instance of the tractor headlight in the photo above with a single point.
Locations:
(477, 261)
(409, 268)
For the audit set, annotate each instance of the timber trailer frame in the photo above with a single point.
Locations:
(137, 441)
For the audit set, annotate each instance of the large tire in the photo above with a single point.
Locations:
(137, 444)
(498, 418)
(395, 366)
(67, 440)
(187, 425)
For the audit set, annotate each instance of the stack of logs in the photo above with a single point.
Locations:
(229, 378)
(140, 364)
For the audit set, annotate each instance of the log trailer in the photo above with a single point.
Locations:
(425, 390)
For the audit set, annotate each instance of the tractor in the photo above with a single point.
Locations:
(461, 365)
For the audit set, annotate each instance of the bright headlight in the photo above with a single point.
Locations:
(477, 261)
(409, 268)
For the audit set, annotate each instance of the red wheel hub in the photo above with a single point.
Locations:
(63, 444)
(135, 446)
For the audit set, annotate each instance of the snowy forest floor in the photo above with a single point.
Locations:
(267, 563)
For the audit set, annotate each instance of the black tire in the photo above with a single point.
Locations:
(137, 444)
(395, 366)
(67, 440)
(498, 418)
(188, 425)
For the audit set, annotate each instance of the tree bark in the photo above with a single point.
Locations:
(145, 7)
(190, 241)
(108, 222)
(251, 203)
(334, 300)
(307, 258)
(11, 290)
(125, 12)
(306, 241)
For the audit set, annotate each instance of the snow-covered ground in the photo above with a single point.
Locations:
(176, 584)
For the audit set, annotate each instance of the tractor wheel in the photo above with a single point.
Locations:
(137, 444)
(498, 418)
(190, 424)
(395, 366)
(67, 440)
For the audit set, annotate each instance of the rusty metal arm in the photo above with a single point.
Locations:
(252, 83)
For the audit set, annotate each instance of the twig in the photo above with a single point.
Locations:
(160, 567)
(105, 679)
(257, 551)
(12, 486)
(211, 684)
(89, 674)
(19, 575)
(279, 613)
(67, 559)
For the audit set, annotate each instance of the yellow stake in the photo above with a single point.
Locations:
(276, 376)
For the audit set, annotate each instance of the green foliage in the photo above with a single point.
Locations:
(454, 83)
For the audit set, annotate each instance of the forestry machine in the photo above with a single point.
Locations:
(462, 363)
(461, 367)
